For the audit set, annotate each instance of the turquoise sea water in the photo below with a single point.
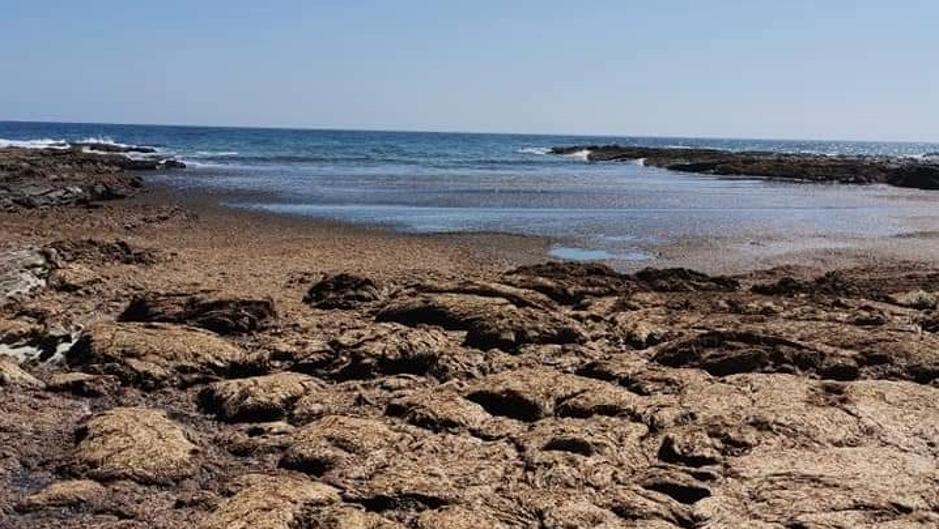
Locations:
(443, 182)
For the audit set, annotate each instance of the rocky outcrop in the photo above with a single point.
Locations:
(22, 271)
(155, 354)
(13, 375)
(489, 322)
(270, 502)
(901, 172)
(563, 396)
(138, 444)
(218, 314)
(34, 178)
(342, 291)
(257, 399)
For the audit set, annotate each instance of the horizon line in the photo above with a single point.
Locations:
(481, 133)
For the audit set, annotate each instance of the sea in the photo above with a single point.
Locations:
(433, 182)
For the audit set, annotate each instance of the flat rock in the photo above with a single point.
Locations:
(571, 283)
(337, 440)
(93, 252)
(153, 354)
(12, 375)
(531, 394)
(386, 349)
(684, 280)
(22, 271)
(444, 411)
(578, 454)
(222, 315)
(457, 517)
(270, 502)
(838, 487)
(490, 322)
(71, 493)
(346, 516)
(137, 444)
(83, 384)
(257, 399)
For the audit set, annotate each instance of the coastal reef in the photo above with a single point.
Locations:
(901, 172)
(74, 173)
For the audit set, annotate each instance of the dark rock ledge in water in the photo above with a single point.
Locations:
(77, 174)
(901, 172)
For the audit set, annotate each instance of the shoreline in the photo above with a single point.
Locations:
(730, 254)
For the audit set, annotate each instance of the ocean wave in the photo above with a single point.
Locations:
(88, 144)
(213, 154)
(534, 150)
(583, 155)
(44, 143)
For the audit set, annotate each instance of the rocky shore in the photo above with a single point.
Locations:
(72, 174)
(901, 172)
(168, 366)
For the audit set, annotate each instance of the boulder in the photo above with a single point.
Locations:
(343, 291)
(385, 349)
(12, 375)
(571, 283)
(222, 315)
(270, 502)
(257, 399)
(490, 322)
(64, 494)
(532, 394)
(137, 444)
(154, 354)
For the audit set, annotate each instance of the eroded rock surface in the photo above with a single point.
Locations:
(270, 502)
(154, 354)
(218, 314)
(257, 399)
(562, 396)
(138, 444)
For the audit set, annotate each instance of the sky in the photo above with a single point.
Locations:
(834, 69)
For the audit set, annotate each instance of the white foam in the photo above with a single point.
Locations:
(535, 150)
(212, 154)
(583, 155)
(44, 143)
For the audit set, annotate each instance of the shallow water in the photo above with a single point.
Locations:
(433, 182)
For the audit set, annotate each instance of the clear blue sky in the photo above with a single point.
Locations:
(864, 69)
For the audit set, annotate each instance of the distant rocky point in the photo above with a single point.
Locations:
(74, 173)
(900, 172)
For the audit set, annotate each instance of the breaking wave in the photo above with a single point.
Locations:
(534, 150)
(583, 155)
(44, 143)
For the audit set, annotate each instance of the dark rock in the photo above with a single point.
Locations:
(343, 291)
(489, 322)
(923, 174)
(220, 315)
(38, 178)
(97, 251)
(684, 280)
(571, 283)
